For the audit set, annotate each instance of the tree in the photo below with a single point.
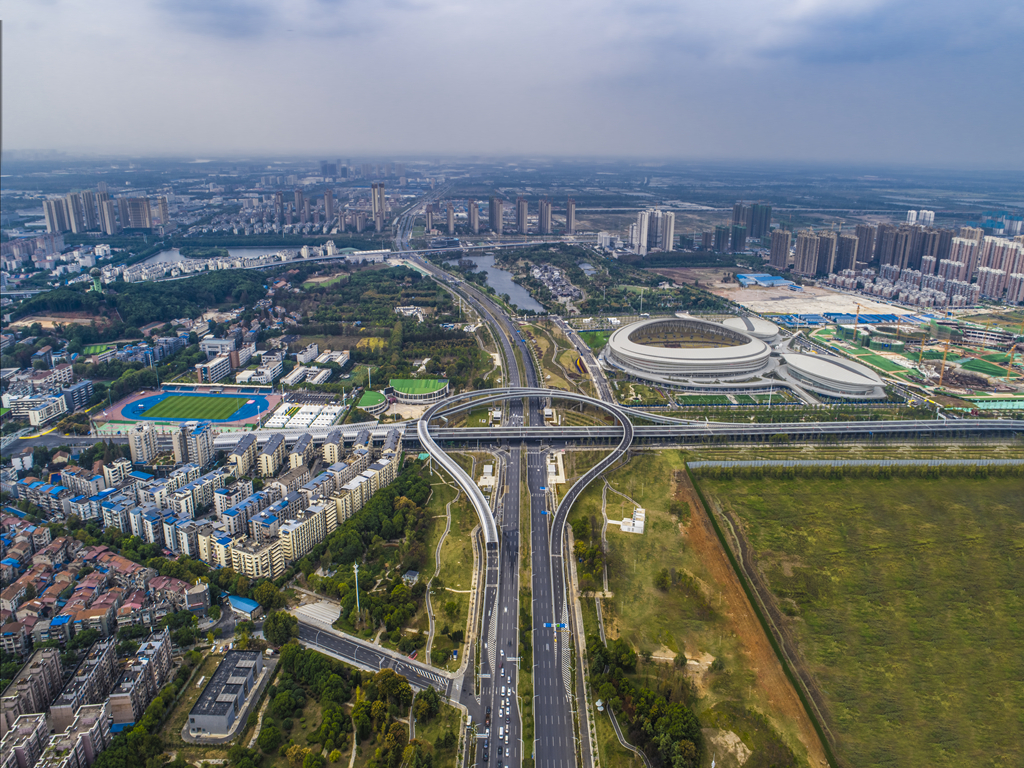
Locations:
(296, 754)
(268, 596)
(661, 580)
(280, 627)
(214, 612)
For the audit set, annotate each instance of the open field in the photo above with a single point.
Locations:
(596, 340)
(923, 450)
(703, 400)
(448, 719)
(904, 598)
(1009, 319)
(195, 407)
(698, 614)
(323, 281)
(987, 369)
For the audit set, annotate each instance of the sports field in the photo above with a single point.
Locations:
(986, 368)
(905, 597)
(417, 386)
(370, 399)
(96, 349)
(195, 407)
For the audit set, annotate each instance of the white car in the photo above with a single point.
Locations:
(503, 690)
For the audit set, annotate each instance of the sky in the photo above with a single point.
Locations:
(933, 83)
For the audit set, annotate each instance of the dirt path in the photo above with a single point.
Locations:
(765, 664)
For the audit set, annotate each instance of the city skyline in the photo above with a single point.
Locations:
(196, 73)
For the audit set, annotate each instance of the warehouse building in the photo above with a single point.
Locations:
(223, 700)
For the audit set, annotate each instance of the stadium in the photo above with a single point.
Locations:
(680, 349)
(173, 404)
(417, 391)
(834, 376)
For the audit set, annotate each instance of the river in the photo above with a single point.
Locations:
(501, 281)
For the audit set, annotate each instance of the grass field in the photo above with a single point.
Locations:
(195, 407)
(877, 361)
(596, 340)
(370, 398)
(96, 349)
(686, 618)
(1006, 318)
(313, 284)
(986, 368)
(703, 400)
(906, 597)
(417, 386)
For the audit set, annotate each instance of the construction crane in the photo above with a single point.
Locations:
(1009, 365)
(942, 374)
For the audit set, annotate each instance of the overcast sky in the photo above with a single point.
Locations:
(930, 82)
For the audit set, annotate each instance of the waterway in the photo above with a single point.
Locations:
(501, 281)
(172, 255)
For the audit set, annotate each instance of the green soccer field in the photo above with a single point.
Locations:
(417, 386)
(193, 407)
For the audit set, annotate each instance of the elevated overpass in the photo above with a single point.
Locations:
(624, 431)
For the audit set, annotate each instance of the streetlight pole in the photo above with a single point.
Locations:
(356, 566)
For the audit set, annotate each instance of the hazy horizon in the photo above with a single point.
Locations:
(860, 83)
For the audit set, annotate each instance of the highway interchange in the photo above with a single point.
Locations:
(495, 683)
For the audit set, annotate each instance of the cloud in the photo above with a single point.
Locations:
(843, 80)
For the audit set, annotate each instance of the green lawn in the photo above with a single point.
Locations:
(596, 340)
(880, 362)
(96, 349)
(907, 599)
(195, 407)
(417, 386)
(986, 368)
(703, 400)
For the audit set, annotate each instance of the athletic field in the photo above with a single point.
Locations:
(417, 386)
(96, 349)
(188, 407)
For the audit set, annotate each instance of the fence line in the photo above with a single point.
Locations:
(795, 463)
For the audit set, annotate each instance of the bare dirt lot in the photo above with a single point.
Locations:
(62, 318)
(809, 301)
(707, 276)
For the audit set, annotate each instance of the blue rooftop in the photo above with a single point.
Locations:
(140, 475)
(59, 621)
(243, 603)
